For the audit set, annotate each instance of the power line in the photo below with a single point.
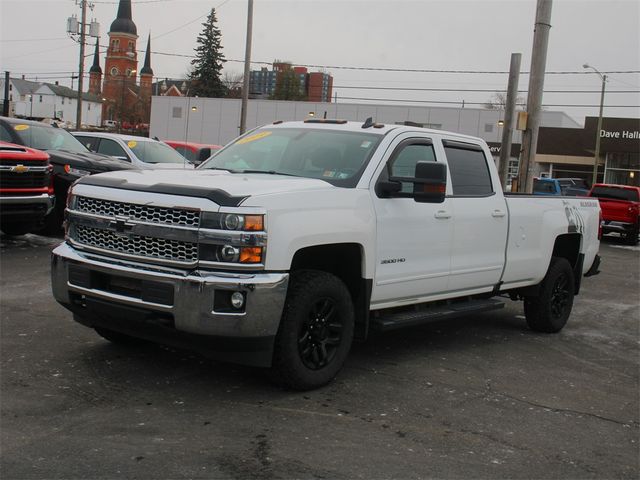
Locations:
(478, 103)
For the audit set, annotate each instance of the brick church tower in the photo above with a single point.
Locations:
(146, 74)
(121, 63)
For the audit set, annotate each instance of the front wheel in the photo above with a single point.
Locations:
(316, 331)
(550, 311)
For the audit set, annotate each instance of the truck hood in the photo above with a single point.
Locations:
(92, 162)
(224, 188)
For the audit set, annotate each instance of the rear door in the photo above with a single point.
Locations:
(112, 148)
(480, 219)
(90, 142)
(413, 239)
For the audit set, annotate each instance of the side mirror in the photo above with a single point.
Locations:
(430, 182)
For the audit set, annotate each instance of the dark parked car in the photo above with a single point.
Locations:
(69, 158)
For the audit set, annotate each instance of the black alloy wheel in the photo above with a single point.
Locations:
(560, 296)
(320, 334)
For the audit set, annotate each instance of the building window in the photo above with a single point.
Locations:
(114, 71)
(40, 98)
(177, 112)
(62, 100)
(131, 46)
(11, 97)
(488, 127)
(115, 44)
(10, 87)
(88, 107)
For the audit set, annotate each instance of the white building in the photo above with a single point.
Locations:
(35, 100)
(217, 120)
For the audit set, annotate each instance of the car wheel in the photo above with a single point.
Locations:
(550, 311)
(316, 331)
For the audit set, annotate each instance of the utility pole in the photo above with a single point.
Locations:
(509, 114)
(6, 104)
(536, 86)
(80, 28)
(83, 21)
(247, 65)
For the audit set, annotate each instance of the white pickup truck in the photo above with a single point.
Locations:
(299, 237)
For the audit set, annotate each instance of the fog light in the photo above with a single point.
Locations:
(237, 300)
(229, 253)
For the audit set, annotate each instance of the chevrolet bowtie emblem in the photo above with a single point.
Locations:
(20, 169)
(121, 225)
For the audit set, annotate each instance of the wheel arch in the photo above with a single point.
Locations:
(568, 246)
(347, 262)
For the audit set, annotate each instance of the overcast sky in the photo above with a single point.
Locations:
(472, 35)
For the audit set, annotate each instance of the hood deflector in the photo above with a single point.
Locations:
(216, 195)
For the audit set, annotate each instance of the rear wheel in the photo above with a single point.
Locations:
(316, 331)
(631, 237)
(550, 311)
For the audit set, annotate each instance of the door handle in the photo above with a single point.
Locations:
(442, 214)
(498, 213)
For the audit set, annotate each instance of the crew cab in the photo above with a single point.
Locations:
(298, 237)
(26, 189)
(69, 159)
(560, 186)
(620, 209)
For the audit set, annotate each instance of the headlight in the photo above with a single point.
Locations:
(232, 221)
(78, 172)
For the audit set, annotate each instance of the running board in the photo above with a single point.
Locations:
(394, 321)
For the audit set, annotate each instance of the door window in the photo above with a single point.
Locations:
(468, 168)
(403, 161)
(110, 147)
(89, 142)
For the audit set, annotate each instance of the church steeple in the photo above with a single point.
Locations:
(146, 70)
(95, 73)
(123, 22)
(95, 68)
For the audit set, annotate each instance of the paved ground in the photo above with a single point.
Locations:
(480, 397)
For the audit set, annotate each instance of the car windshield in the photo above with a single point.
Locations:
(48, 138)
(154, 152)
(334, 156)
(615, 193)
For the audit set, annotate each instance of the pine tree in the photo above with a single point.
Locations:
(206, 71)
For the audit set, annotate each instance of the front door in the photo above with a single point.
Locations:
(413, 239)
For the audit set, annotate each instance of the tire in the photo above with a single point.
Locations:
(550, 311)
(118, 338)
(316, 331)
(630, 238)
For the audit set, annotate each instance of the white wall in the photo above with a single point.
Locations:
(217, 120)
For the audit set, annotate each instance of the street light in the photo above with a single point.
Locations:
(597, 152)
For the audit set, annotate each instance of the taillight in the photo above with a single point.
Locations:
(600, 222)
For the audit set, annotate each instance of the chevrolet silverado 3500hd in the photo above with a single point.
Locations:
(298, 237)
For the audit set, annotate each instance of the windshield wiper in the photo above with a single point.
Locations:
(269, 172)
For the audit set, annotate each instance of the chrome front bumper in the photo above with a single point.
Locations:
(192, 308)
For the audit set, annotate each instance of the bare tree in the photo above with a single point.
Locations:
(498, 101)
(233, 81)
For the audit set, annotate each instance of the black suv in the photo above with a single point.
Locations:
(69, 158)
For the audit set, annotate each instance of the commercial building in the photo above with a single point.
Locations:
(313, 87)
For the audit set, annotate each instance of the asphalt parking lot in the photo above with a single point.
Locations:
(479, 397)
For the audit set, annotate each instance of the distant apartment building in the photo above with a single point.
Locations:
(313, 87)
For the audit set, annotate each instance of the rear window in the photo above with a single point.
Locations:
(543, 186)
(615, 193)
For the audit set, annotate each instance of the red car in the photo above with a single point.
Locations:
(194, 152)
(26, 188)
(620, 206)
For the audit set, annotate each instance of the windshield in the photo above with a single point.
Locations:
(615, 193)
(155, 152)
(331, 155)
(48, 138)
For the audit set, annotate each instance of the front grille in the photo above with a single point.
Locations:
(144, 213)
(24, 180)
(148, 247)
